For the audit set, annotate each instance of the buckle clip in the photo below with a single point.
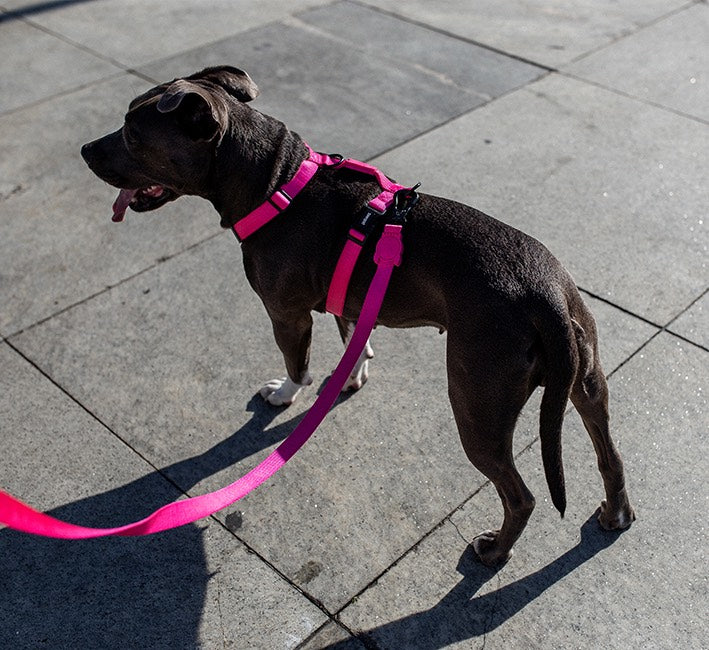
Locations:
(364, 225)
(404, 200)
(280, 199)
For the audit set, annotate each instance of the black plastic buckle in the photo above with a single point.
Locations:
(364, 224)
(404, 199)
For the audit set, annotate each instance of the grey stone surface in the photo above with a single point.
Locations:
(601, 589)
(366, 98)
(41, 60)
(195, 586)
(664, 63)
(332, 635)
(585, 171)
(619, 333)
(58, 244)
(552, 32)
(134, 32)
(452, 61)
(694, 323)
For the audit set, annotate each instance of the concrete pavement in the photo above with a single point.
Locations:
(131, 354)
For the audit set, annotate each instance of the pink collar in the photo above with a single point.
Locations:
(282, 197)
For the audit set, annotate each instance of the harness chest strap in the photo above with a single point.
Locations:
(357, 236)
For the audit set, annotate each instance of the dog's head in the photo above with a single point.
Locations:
(167, 143)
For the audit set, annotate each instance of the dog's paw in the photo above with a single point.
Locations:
(360, 373)
(615, 519)
(358, 378)
(283, 391)
(487, 548)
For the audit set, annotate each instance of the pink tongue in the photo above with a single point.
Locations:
(121, 203)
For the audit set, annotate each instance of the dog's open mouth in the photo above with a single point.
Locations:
(141, 200)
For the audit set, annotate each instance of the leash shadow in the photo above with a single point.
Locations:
(461, 615)
(250, 439)
(122, 592)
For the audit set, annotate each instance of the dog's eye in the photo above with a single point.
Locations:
(129, 136)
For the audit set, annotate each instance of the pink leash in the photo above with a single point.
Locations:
(22, 517)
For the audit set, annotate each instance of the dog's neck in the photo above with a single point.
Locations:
(251, 161)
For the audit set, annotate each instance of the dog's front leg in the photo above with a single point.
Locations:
(360, 373)
(293, 337)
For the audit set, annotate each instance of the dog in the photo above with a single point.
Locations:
(513, 315)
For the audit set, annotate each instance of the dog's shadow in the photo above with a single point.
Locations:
(461, 615)
(122, 592)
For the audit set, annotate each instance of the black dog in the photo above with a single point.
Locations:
(514, 317)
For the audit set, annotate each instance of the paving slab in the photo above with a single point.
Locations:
(454, 61)
(321, 76)
(550, 32)
(620, 334)
(135, 32)
(332, 635)
(384, 468)
(643, 588)
(585, 171)
(664, 63)
(57, 241)
(694, 323)
(42, 76)
(193, 587)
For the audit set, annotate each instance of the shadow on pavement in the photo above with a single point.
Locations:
(38, 8)
(121, 592)
(460, 615)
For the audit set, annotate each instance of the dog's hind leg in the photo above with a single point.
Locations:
(590, 397)
(486, 402)
(360, 372)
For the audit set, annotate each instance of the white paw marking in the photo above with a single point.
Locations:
(618, 520)
(283, 391)
(358, 377)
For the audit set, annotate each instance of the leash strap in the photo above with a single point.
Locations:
(403, 199)
(22, 517)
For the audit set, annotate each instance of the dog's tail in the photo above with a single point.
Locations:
(562, 361)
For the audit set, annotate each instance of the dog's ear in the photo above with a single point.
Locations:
(197, 112)
(236, 82)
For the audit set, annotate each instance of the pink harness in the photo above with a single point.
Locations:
(20, 516)
(359, 232)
